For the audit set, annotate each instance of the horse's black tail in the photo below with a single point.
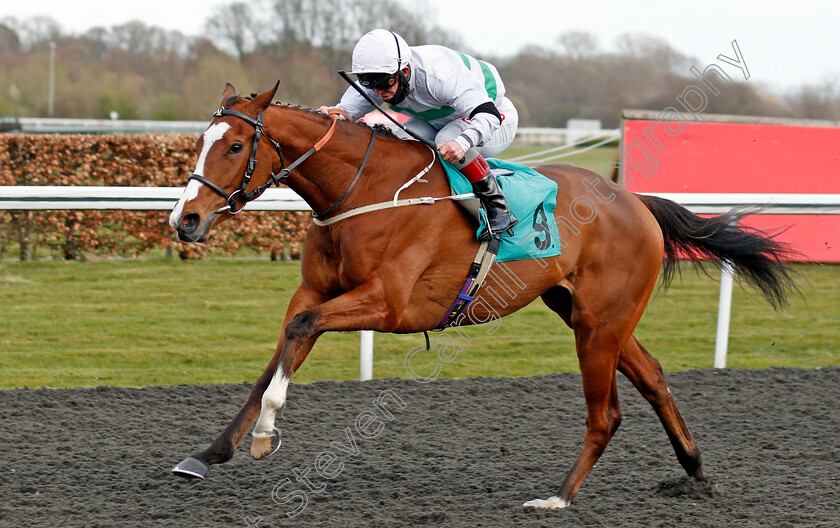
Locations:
(761, 260)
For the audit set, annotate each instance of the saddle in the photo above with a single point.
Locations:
(531, 197)
(473, 205)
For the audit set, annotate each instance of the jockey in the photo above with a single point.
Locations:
(453, 99)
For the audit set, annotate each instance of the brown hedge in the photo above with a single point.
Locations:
(151, 160)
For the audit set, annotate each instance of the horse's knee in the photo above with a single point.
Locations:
(302, 326)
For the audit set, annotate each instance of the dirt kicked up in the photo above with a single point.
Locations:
(452, 453)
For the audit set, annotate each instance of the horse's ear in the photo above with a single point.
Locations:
(229, 92)
(264, 99)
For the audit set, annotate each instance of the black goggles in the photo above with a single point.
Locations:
(377, 81)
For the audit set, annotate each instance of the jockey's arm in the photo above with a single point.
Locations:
(451, 151)
(354, 104)
(458, 88)
(484, 121)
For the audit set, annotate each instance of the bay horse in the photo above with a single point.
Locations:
(399, 269)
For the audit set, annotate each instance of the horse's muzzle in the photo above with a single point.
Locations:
(188, 228)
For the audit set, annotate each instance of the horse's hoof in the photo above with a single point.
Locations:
(551, 502)
(191, 468)
(265, 444)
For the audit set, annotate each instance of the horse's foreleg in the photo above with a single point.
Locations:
(222, 449)
(265, 439)
(597, 355)
(362, 308)
(646, 375)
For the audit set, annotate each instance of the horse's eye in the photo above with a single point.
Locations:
(236, 148)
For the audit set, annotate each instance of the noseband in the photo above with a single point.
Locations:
(231, 199)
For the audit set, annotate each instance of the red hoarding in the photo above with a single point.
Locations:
(731, 157)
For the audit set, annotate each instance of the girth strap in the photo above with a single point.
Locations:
(487, 252)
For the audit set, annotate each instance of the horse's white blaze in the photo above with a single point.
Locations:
(211, 135)
(554, 502)
(189, 193)
(273, 399)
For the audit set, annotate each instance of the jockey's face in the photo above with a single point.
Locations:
(388, 93)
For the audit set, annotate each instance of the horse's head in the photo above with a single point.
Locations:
(227, 174)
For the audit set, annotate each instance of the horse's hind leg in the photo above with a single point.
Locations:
(597, 355)
(646, 375)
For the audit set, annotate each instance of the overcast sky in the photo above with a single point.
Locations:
(785, 44)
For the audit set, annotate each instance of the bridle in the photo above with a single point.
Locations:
(231, 199)
(244, 196)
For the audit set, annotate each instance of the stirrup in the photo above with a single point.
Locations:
(487, 234)
(495, 244)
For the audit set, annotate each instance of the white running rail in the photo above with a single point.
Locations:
(164, 198)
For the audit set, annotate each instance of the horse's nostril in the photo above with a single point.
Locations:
(189, 223)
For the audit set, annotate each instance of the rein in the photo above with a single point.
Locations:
(241, 194)
(395, 202)
(331, 208)
(244, 196)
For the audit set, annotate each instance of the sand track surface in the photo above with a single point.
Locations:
(453, 453)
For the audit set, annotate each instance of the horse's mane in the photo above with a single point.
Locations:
(381, 130)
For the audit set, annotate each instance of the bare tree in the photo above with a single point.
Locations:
(653, 50)
(36, 32)
(235, 25)
(153, 73)
(338, 24)
(578, 45)
(9, 40)
(141, 40)
(817, 101)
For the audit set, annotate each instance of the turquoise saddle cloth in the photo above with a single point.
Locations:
(532, 198)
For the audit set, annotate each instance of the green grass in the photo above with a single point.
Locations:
(166, 322)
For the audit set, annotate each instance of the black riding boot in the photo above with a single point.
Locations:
(487, 190)
(499, 217)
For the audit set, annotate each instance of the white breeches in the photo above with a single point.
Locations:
(501, 139)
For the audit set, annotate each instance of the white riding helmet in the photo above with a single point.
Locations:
(380, 51)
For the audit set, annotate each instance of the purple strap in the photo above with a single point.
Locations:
(458, 306)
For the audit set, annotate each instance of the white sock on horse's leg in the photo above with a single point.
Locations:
(554, 502)
(273, 400)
